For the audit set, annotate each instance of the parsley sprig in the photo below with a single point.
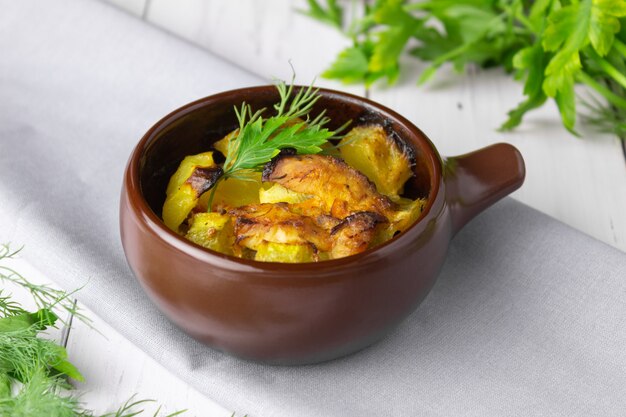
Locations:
(259, 139)
(551, 45)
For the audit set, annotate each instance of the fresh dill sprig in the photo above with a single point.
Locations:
(33, 369)
(23, 354)
(44, 296)
(128, 409)
(39, 397)
(8, 307)
(259, 139)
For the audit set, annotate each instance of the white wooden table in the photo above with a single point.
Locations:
(581, 182)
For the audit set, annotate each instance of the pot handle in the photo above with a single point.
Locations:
(476, 180)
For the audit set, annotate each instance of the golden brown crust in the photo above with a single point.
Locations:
(257, 224)
(202, 179)
(341, 189)
(275, 222)
(355, 233)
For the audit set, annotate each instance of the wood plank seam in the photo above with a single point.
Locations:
(67, 327)
(65, 331)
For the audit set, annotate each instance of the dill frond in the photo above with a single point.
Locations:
(44, 296)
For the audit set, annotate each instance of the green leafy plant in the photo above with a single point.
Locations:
(34, 371)
(551, 45)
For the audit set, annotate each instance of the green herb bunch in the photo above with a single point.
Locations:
(34, 370)
(551, 45)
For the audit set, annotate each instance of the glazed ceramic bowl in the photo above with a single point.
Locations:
(298, 313)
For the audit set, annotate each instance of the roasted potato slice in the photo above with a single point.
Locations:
(285, 252)
(341, 189)
(222, 144)
(370, 150)
(233, 192)
(279, 194)
(400, 220)
(195, 175)
(409, 212)
(213, 231)
(355, 233)
(276, 223)
(186, 168)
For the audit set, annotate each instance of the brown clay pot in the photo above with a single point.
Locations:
(298, 313)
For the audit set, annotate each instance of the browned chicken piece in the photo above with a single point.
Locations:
(276, 223)
(355, 233)
(313, 208)
(341, 189)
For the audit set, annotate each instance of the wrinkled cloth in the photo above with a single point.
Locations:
(527, 318)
